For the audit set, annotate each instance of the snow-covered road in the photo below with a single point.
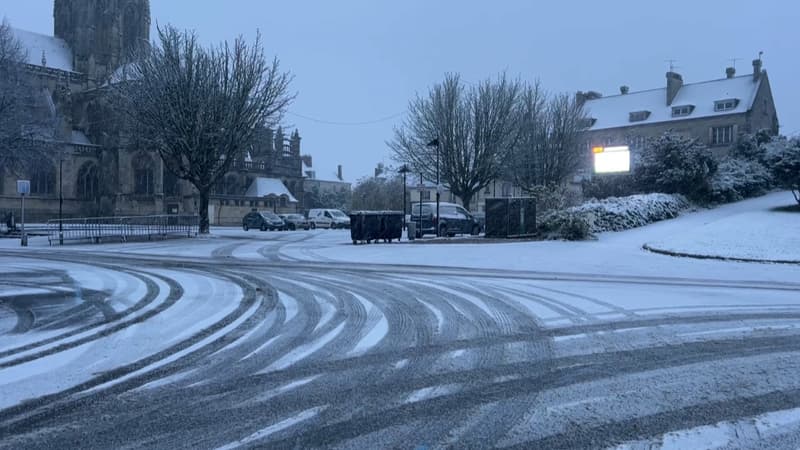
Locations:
(300, 340)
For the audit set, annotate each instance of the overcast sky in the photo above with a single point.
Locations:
(357, 63)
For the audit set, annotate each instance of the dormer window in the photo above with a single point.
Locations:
(638, 116)
(726, 105)
(680, 111)
(588, 122)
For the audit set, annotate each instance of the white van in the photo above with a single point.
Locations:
(328, 218)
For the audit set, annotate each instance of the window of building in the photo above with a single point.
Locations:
(638, 116)
(425, 195)
(636, 141)
(88, 182)
(725, 105)
(171, 187)
(684, 110)
(43, 180)
(142, 175)
(722, 135)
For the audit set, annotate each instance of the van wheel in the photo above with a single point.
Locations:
(263, 227)
(313, 225)
(476, 230)
(245, 227)
(442, 231)
(333, 226)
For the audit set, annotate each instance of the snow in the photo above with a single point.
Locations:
(264, 187)
(77, 137)
(612, 111)
(304, 351)
(762, 234)
(722, 434)
(272, 429)
(56, 52)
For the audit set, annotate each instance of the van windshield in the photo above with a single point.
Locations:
(337, 213)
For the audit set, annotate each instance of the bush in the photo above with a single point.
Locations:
(604, 186)
(554, 197)
(783, 159)
(612, 214)
(565, 224)
(750, 147)
(737, 179)
(675, 164)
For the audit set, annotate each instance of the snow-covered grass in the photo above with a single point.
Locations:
(765, 234)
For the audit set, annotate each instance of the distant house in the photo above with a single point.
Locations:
(714, 112)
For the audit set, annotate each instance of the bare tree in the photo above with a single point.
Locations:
(549, 148)
(475, 129)
(199, 107)
(26, 118)
(378, 193)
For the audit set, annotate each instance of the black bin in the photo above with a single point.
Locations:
(510, 217)
(368, 226)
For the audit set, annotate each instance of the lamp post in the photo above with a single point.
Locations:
(435, 143)
(404, 170)
(61, 199)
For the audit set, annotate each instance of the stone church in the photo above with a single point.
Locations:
(92, 170)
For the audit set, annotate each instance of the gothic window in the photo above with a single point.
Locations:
(43, 180)
(231, 185)
(88, 183)
(171, 187)
(143, 175)
(131, 23)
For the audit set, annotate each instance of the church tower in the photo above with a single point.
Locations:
(103, 34)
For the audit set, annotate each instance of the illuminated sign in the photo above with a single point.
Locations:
(612, 159)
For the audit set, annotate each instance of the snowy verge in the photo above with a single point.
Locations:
(613, 214)
(764, 235)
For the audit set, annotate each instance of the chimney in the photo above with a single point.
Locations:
(624, 90)
(730, 72)
(674, 83)
(756, 69)
(339, 172)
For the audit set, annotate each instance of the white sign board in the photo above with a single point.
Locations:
(612, 159)
(23, 187)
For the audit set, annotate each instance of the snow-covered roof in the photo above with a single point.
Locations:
(614, 111)
(57, 53)
(266, 187)
(78, 138)
(125, 72)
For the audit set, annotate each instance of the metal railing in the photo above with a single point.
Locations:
(122, 228)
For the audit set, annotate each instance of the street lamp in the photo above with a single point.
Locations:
(404, 170)
(435, 143)
(61, 198)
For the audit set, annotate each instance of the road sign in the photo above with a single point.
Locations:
(23, 187)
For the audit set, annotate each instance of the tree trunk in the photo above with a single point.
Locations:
(204, 222)
(466, 199)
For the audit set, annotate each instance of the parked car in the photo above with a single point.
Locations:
(328, 218)
(263, 220)
(454, 220)
(295, 221)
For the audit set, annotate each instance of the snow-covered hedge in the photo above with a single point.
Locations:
(737, 179)
(612, 214)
